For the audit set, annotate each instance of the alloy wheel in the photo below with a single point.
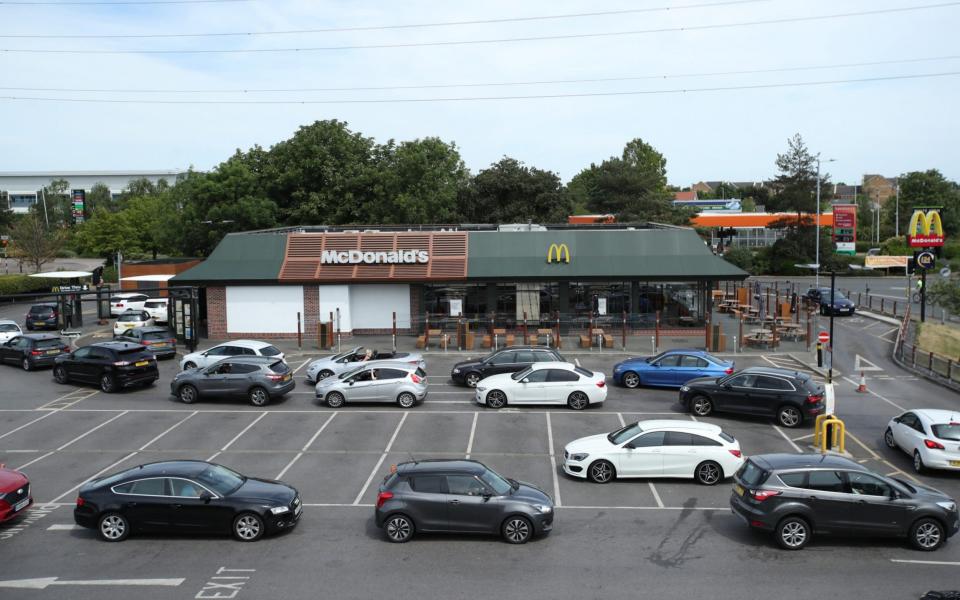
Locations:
(113, 527)
(406, 400)
(793, 534)
(888, 439)
(189, 365)
(106, 383)
(60, 374)
(789, 416)
(601, 472)
(26, 364)
(472, 379)
(702, 406)
(578, 401)
(188, 394)
(399, 529)
(631, 380)
(334, 400)
(516, 530)
(248, 527)
(708, 473)
(496, 399)
(259, 396)
(917, 462)
(324, 374)
(927, 535)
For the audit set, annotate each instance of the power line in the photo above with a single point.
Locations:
(483, 98)
(486, 84)
(496, 40)
(387, 27)
(114, 2)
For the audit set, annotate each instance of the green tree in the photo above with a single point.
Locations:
(740, 256)
(55, 203)
(33, 242)
(946, 293)
(925, 188)
(797, 181)
(98, 196)
(511, 192)
(106, 233)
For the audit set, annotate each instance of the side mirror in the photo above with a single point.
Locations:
(206, 497)
(525, 380)
(629, 446)
(486, 496)
(350, 382)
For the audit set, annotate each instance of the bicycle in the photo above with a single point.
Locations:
(915, 297)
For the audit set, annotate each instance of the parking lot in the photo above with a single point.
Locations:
(62, 436)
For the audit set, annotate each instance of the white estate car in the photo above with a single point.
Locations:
(929, 435)
(157, 307)
(120, 303)
(232, 348)
(544, 383)
(132, 319)
(659, 448)
(9, 330)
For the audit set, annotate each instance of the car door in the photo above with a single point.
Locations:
(642, 456)
(663, 371)
(428, 502)
(210, 381)
(826, 494)
(196, 508)
(12, 351)
(690, 367)
(768, 394)
(471, 506)
(530, 389)
(680, 456)
(357, 386)
(383, 384)
(734, 394)
(239, 379)
(88, 367)
(502, 362)
(560, 384)
(873, 509)
(145, 503)
(909, 432)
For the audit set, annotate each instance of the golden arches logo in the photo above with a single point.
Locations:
(925, 229)
(558, 253)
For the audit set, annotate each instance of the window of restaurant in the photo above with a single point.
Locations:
(473, 298)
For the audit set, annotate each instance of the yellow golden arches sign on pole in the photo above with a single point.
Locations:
(559, 253)
(925, 229)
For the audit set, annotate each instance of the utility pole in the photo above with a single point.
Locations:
(817, 260)
(896, 219)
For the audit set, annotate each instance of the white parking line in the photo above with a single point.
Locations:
(383, 456)
(656, 496)
(685, 508)
(94, 476)
(786, 437)
(873, 454)
(553, 464)
(64, 527)
(869, 391)
(171, 428)
(302, 365)
(28, 424)
(305, 446)
(473, 432)
(941, 563)
(76, 439)
(213, 456)
(245, 429)
(622, 422)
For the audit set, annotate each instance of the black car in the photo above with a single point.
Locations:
(32, 350)
(837, 304)
(186, 496)
(112, 365)
(160, 341)
(42, 316)
(791, 397)
(460, 496)
(798, 495)
(506, 360)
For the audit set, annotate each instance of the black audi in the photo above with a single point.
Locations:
(186, 496)
(460, 496)
(511, 359)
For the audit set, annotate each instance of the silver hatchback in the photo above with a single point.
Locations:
(398, 382)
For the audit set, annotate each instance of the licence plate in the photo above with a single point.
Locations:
(53, 352)
(41, 323)
(141, 363)
(21, 505)
(738, 489)
(298, 510)
(955, 463)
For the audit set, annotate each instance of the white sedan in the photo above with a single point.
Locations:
(9, 330)
(929, 435)
(662, 448)
(544, 383)
(131, 320)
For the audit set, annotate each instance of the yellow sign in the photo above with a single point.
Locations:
(882, 262)
(558, 253)
(925, 229)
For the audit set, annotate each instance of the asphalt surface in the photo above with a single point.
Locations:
(657, 538)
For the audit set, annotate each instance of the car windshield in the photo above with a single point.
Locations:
(221, 479)
(9, 327)
(270, 351)
(48, 343)
(130, 317)
(499, 484)
(521, 374)
(625, 433)
(344, 354)
(947, 431)
(650, 359)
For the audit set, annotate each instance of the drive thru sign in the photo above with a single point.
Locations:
(823, 337)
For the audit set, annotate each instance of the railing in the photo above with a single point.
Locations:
(937, 367)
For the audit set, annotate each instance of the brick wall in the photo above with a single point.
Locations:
(311, 311)
(217, 312)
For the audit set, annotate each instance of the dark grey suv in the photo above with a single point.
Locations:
(797, 495)
(460, 496)
(259, 378)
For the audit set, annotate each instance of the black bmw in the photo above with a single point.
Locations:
(186, 496)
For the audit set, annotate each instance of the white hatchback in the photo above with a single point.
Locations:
(120, 303)
(544, 383)
(206, 358)
(157, 308)
(660, 448)
(132, 319)
(931, 436)
(9, 330)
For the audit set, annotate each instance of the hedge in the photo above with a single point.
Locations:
(24, 284)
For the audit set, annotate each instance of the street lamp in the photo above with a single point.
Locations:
(817, 262)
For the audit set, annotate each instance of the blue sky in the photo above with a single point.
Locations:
(884, 127)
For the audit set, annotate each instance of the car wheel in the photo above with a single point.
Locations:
(248, 527)
(601, 471)
(406, 400)
(189, 365)
(917, 462)
(708, 473)
(113, 527)
(701, 406)
(792, 533)
(26, 364)
(259, 396)
(790, 416)
(107, 383)
(471, 379)
(496, 399)
(60, 375)
(187, 394)
(631, 380)
(517, 530)
(927, 535)
(399, 529)
(334, 399)
(324, 374)
(888, 439)
(578, 401)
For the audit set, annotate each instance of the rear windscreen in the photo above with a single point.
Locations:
(51, 343)
(155, 305)
(583, 371)
(420, 372)
(269, 351)
(947, 431)
(8, 327)
(155, 335)
(130, 354)
(751, 474)
(41, 311)
(727, 437)
(279, 367)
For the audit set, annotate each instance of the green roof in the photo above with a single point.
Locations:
(239, 257)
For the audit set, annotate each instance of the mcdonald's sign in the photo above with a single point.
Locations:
(559, 253)
(925, 229)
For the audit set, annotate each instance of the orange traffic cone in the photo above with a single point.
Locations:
(862, 388)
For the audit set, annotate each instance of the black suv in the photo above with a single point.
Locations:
(837, 305)
(506, 360)
(32, 350)
(797, 495)
(112, 365)
(791, 397)
(459, 496)
(42, 316)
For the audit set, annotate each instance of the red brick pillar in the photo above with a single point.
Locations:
(311, 311)
(217, 313)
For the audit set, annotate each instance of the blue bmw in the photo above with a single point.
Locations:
(672, 368)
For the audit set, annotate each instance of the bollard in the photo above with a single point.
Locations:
(881, 304)
(735, 351)
(496, 341)
(894, 308)
(653, 344)
(623, 344)
(299, 336)
(338, 331)
(393, 330)
(656, 333)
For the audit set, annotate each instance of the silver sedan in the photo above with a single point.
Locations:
(398, 382)
(322, 368)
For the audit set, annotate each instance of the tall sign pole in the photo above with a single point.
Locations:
(925, 233)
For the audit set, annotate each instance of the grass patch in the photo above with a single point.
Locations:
(939, 339)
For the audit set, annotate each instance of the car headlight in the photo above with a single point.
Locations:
(684, 388)
(481, 389)
(543, 508)
(949, 506)
(456, 369)
(580, 456)
(279, 510)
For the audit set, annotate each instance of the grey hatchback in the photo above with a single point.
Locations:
(398, 382)
(795, 495)
(259, 378)
(459, 496)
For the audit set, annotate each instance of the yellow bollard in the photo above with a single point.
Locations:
(839, 433)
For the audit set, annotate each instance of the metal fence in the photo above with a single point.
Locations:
(937, 367)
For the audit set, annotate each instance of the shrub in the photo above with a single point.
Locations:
(741, 257)
(864, 245)
(24, 284)
(896, 246)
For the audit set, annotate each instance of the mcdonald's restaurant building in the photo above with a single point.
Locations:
(255, 284)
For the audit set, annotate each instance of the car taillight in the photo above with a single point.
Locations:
(120, 305)
(80, 502)
(814, 398)
(172, 340)
(383, 497)
(601, 383)
(274, 377)
(415, 378)
(146, 342)
(413, 362)
(761, 495)
(54, 314)
(736, 453)
(35, 352)
(728, 370)
(933, 445)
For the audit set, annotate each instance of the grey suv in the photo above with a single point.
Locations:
(398, 382)
(797, 495)
(459, 496)
(259, 378)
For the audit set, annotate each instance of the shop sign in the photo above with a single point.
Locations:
(845, 228)
(70, 288)
(559, 253)
(926, 260)
(359, 257)
(925, 229)
(456, 307)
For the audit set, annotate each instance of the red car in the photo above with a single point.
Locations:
(14, 493)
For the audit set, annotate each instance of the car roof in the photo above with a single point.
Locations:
(936, 415)
(51, 304)
(118, 345)
(805, 461)
(158, 300)
(553, 365)
(133, 311)
(389, 363)
(255, 360)
(773, 371)
(698, 426)
(41, 336)
(127, 294)
(255, 344)
(505, 348)
(187, 468)
(149, 329)
(441, 465)
(8, 322)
